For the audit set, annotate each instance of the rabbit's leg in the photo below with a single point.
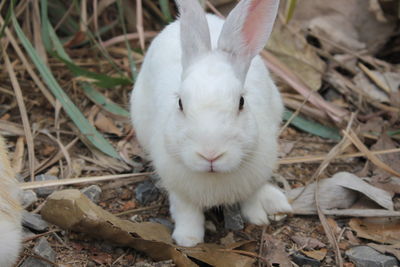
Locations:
(10, 241)
(268, 200)
(189, 222)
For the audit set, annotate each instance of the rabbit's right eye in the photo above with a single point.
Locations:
(180, 104)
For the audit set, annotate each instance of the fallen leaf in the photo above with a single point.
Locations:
(383, 230)
(228, 239)
(275, 252)
(106, 125)
(339, 192)
(129, 205)
(71, 210)
(307, 242)
(293, 50)
(315, 254)
(370, 89)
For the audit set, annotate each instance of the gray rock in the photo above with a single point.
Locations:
(44, 250)
(146, 192)
(93, 192)
(163, 221)
(302, 260)
(233, 218)
(34, 221)
(28, 197)
(45, 191)
(364, 256)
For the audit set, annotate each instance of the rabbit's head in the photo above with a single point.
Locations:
(213, 128)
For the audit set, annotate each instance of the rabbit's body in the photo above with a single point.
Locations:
(217, 146)
(10, 215)
(152, 112)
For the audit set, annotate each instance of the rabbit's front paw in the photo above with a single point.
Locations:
(186, 236)
(267, 201)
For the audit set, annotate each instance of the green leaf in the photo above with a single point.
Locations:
(100, 100)
(70, 108)
(290, 7)
(312, 127)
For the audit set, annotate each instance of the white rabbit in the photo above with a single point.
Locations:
(207, 111)
(10, 212)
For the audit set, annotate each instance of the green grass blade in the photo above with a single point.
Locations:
(105, 103)
(312, 127)
(70, 108)
(100, 80)
(164, 4)
(290, 7)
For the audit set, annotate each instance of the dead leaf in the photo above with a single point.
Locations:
(387, 249)
(106, 125)
(300, 57)
(383, 230)
(78, 38)
(275, 252)
(369, 88)
(307, 242)
(339, 192)
(315, 254)
(392, 159)
(357, 13)
(71, 210)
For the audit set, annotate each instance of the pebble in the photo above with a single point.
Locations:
(368, 257)
(43, 249)
(28, 197)
(45, 191)
(165, 222)
(146, 192)
(233, 218)
(34, 221)
(93, 192)
(302, 260)
(210, 226)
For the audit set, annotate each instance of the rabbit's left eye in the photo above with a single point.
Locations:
(241, 103)
(180, 104)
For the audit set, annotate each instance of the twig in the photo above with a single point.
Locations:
(139, 23)
(138, 210)
(374, 159)
(24, 114)
(82, 180)
(310, 159)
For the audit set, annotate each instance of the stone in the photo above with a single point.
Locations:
(93, 192)
(146, 192)
(302, 260)
(368, 257)
(28, 197)
(45, 191)
(210, 226)
(34, 221)
(233, 217)
(165, 222)
(44, 250)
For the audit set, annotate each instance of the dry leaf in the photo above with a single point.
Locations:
(339, 192)
(71, 210)
(307, 242)
(106, 125)
(315, 254)
(383, 230)
(369, 88)
(300, 57)
(275, 252)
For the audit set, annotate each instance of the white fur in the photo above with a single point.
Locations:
(210, 126)
(10, 216)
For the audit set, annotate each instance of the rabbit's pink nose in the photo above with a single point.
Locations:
(210, 157)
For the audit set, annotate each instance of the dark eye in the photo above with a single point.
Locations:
(241, 103)
(180, 104)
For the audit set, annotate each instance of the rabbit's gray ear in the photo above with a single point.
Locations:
(194, 31)
(246, 31)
